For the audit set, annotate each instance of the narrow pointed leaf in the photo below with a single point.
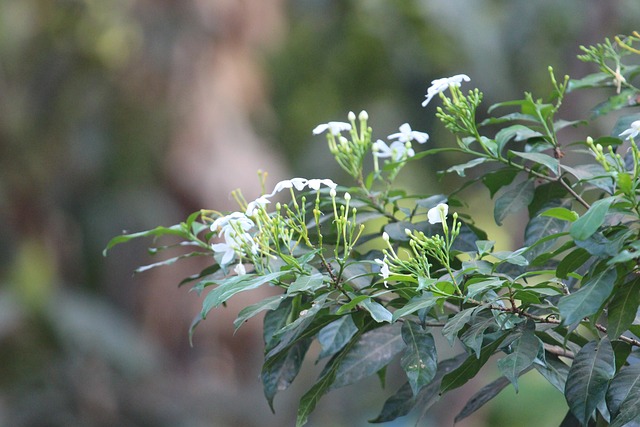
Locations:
(474, 336)
(456, 323)
(306, 283)
(420, 302)
(247, 313)
(623, 395)
(376, 310)
(543, 159)
(420, 359)
(279, 375)
(484, 395)
(588, 299)
(524, 352)
(571, 262)
(588, 378)
(623, 308)
(336, 335)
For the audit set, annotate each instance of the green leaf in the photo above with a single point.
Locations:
(419, 359)
(310, 399)
(561, 213)
(470, 367)
(623, 308)
(523, 352)
(246, 313)
(231, 286)
(514, 258)
(540, 158)
(279, 375)
(336, 335)
(571, 262)
(592, 80)
(274, 321)
(554, 370)
(589, 223)
(398, 405)
(515, 198)
(474, 336)
(475, 287)
(484, 395)
(371, 352)
(306, 283)
(588, 299)
(174, 230)
(456, 323)
(495, 180)
(425, 301)
(588, 378)
(460, 169)
(624, 99)
(376, 310)
(516, 132)
(623, 395)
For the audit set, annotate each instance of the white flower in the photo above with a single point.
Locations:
(440, 85)
(384, 269)
(633, 130)
(334, 127)
(298, 183)
(438, 214)
(228, 252)
(252, 207)
(406, 134)
(240, 270)
(397, 151)
(224, 223)
(315, 184)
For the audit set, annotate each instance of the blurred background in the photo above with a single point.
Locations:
(127, 114)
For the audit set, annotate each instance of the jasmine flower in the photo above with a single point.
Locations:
(334, 127)
(298, 183)
(315, 184)
(438, 214)
(226, 222)
(384, 269)
(397, 151)
(633, 130)
(240, 270)
(406, 135)
(252, 207)
(440, 85)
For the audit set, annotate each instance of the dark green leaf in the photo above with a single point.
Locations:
(570, 263)
(495, 180)
(279, 375)
(589, 223)
(274, 321)
(623, 308)
(515, 198)
(516, 132)
(398, 405)
(247, 313)
(484, 395)
(623, 395)
(625, 98)
(336, 335)
(470, 367)
(554, 370)
(588, 378)
(370, 353)
(474, 336)
(539, 232)
(588, 299)
(456, 323)
(523, 352)
(310, 399)
(475, 287)
(419, 359)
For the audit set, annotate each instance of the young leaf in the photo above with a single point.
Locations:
(588, 378)
(515, 198)
(589, 223)
(561, 213)
(370, 353)
(588, 299)
(623, 395)
(523, 352)
(306, 283)
(420, 359)
(623, 308)
(376, 310)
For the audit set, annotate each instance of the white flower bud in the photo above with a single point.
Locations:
(347, 196)
(385, 236)
(351, 116)
(363, 115)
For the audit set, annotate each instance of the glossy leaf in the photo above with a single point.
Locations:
(484, 395)
(589, 223)
(470, 367)
(561, 213)
(248, 312)
(623, 308)
(336, 335)
(495, 180)
(588, 378)
(420, 302)
(571, 262)
(523, 352)
(370, 353)
(376, 310)
(456, 323)
(419, 359)
(278, 376)
(515, 198)
(306, 283)
(623, 395)
(474, 336)
(554, 370)
(588, 299)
